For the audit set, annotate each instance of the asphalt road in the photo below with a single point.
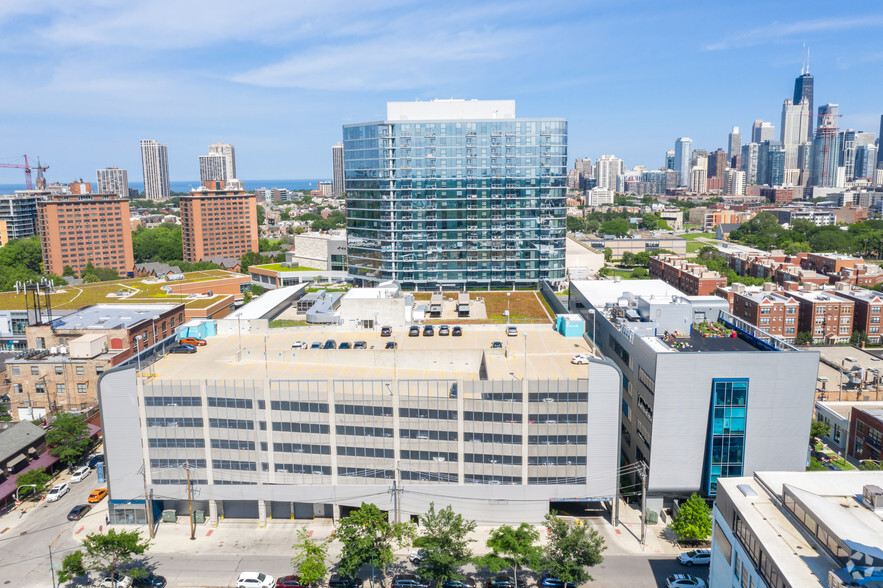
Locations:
(24, 546)
(24, 554)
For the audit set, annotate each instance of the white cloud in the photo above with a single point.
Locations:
(777, 31)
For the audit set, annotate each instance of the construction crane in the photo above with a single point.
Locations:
(29, 185)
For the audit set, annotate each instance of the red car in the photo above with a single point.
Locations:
(193, 341)
(288, 582)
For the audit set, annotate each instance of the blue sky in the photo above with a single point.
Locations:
(84, 81)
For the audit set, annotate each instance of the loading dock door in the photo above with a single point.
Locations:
(240, 509)
(280, 510)
(303, 510)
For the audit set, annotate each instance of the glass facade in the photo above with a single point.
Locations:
(460, 203)
(727, 439)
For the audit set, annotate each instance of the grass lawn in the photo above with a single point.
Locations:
(625, 274)
(523, 306)
(280, 323)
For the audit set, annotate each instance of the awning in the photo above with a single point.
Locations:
(10, 465)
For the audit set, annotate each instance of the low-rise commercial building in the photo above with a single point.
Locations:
(798, 530)
(323, 251)
(838, 416)
(65, 357)
(705, 394)
(499, 434)
(865, 434)
(637, 243)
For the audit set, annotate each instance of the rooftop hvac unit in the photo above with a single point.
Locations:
(872, 496)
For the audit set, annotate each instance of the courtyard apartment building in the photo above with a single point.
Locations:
(456, 193)
(59, 370)
(690, 278)
(798, 530)
(705, 394)
(76, 229)
(218, 222)
(499, 434)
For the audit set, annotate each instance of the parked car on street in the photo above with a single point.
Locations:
(57, 492)
(504, 581)
(821, 456)
(116, 582)
(95, 460)
(78, 512)
(465, 583)
(696, 557)
(193, 341)
(182, 349)
(417, 556)
(547, 581)
(338, 581)
(409, 581)
(81, 474)
(151, 581)
(255, 580)
(684, 581)
(299, 345)
(98, 495)
(288, 582)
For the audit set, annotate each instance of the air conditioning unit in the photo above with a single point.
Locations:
(872, 496)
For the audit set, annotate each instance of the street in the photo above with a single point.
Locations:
(218, 555)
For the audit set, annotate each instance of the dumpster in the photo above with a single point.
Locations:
(652, 517)
(198, 517)
(169, 516)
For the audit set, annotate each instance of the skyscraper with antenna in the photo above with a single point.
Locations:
(803, 89)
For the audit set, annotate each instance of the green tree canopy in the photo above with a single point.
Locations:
(818, 429)
(512, 547)
(628, 258)
(37, 476)
(368, 536)
(693, 521)
(310, 559)
(68, 437)
(608, 254)
(161, 244)
(261, 214)
(106, 553)
(445, 538)
(619, 227)
(571, 550)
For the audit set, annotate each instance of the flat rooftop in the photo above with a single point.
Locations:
(832, 497)
(538, 352)
(111, 316)
(697, 343)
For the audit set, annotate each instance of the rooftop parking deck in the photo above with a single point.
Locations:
(537, 351)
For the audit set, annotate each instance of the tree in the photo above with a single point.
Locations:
(512, 548)
(575, 224)
(639, 273)
(36, 477)
(285, 215)
(251, 258)
(804, 338)
(628, 259)
(107, 553)
(870, 465)
(368, 536)
(619, 227)
(162, 243)
(859, 338)
(68, 271)
(262, 216)
(445, 539)
(693, 521)
(72, 566)
(650, 221)
(309, 559)
(571, 550)
(68, 437)
(642, 258)
(608, 254)
(817, 430)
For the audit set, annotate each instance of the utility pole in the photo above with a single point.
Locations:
(190, 502)
(395, 501)
(51, 567)
(148, 503)
(644, 475)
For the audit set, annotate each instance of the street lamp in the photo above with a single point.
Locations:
(842, 369)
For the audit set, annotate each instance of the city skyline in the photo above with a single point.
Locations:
(91, 83)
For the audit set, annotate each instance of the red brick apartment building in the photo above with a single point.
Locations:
(865, 433)
(829, 263)
(691, 278)
(78, 228)
(827, 316)
(216, 221)
(774, 312)
(868, 310)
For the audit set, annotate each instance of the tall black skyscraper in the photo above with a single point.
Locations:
(803, 89)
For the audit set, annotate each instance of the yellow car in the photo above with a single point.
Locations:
(97, 494)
